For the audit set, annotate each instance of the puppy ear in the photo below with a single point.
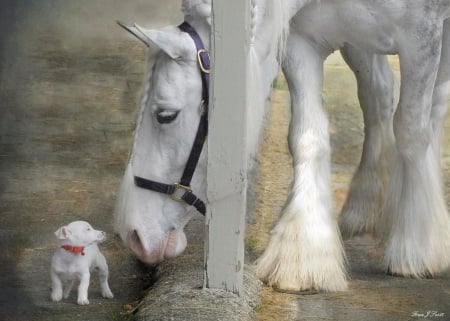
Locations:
(62, 233)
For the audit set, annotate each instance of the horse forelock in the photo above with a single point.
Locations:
(199, 8)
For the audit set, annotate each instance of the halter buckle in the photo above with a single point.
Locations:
(200, 61)
(179, 192)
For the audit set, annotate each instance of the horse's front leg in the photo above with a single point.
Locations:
(305, 250)
(375, 80)
(415, 219)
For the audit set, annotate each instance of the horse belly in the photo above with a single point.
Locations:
(332, 23)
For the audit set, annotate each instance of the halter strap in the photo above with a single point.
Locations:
(202, 58)
(182, 191)
(202, 131)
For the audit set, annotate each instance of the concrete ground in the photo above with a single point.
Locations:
(69, 84)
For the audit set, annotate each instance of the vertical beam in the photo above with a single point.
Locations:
(227, 146)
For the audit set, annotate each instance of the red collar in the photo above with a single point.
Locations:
(74, 249)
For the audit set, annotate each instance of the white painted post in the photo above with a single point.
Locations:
(227, 146)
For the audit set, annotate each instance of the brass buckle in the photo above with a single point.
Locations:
(200, 62)
(179, 192)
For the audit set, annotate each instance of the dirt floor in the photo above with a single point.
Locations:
(69, 85)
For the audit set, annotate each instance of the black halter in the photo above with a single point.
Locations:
(182, 191)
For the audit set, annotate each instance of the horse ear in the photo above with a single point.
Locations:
(171, 39)
(62, 233)
(135, 32)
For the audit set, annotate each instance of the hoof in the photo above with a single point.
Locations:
(423, 275)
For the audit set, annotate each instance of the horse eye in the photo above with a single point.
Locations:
(166, 116)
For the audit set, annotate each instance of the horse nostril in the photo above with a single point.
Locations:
(135, 237)
(135, 241)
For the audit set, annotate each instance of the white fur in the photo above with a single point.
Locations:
(67, 267)
(196, 9)
(397, 190)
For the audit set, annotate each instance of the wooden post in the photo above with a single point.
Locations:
(227, 146)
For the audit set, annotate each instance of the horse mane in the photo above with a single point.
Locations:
(276, 17)
(151, 57)
(125, 190)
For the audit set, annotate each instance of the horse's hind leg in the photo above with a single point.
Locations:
(375, 80)
(305, 249)
(441, 92)
(415, 218)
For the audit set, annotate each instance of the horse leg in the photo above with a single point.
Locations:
(441, 92)
(305, 249)
(415, 219)
(375, 82)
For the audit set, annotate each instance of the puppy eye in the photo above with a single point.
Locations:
(166, 116)
(88, 229)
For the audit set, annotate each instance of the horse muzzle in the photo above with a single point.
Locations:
(150, 250)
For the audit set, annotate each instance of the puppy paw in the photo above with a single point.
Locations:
(56, 296)
(83, 301)
(107, 294)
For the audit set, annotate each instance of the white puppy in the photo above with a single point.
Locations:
(77, 257)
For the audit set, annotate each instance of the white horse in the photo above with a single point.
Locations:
(408, 212)
(397, 190)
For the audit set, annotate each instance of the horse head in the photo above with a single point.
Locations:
(151, 223)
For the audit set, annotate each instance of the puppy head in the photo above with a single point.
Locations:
(79, 233)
